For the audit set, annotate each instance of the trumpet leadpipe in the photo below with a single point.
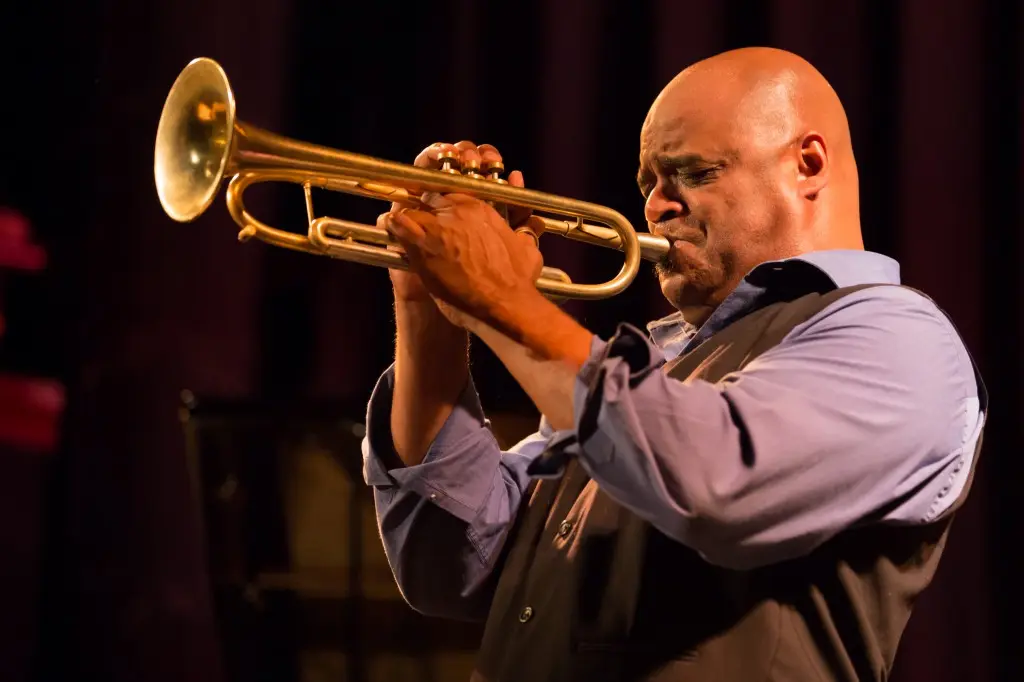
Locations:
(652, 247)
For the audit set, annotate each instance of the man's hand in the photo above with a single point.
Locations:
(408, 285)
(462, 250)
(467, 256)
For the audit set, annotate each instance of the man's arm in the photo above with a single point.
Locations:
(444, 521)
(546, 359)
(445, 493)
(431, 370)
(867, 411)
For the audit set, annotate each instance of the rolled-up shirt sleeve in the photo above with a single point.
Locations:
(444, 521)
(869, 411)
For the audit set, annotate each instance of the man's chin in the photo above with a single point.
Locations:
(675, 285)
(685, 294)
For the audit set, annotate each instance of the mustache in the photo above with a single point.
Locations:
(677, 229)
(663, 268)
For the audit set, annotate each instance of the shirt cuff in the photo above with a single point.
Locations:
(614, 366)
(458, 469)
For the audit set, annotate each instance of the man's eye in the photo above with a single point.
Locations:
(698, 177)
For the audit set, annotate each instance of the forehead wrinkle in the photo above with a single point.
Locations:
(662, 138)
(675, 139)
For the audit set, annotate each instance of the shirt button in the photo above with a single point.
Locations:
(526, 614)
(564, 528)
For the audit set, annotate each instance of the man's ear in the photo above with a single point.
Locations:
(812, 165)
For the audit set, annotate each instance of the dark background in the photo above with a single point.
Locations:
(134, 308)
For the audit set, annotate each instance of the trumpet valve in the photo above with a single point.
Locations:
(471, 169)
(494, 169)
(449, 161)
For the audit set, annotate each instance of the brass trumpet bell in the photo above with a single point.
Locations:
(193, 140)
(200, 142)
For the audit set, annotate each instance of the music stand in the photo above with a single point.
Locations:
(300, 582)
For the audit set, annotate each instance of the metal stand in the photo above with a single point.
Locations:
(287, 588)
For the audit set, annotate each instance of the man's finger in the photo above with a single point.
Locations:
(404, 227)
(435, 200)
(422, 222)
(428, 158)
(469, 157)
(528, 236)
(534, 225)
(489, 154)
(384, 223)
(531, 231)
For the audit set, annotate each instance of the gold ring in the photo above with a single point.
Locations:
(536, 239)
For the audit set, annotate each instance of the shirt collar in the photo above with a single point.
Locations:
(815, 271)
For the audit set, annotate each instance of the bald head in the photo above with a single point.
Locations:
(745, 157)
(757, 96)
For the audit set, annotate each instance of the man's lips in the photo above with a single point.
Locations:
(685, 240)
(693, 235)
(694, 239)
(680, 254)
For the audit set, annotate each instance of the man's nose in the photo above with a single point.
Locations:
(661, 207)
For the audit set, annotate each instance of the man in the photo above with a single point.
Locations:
(757, 492)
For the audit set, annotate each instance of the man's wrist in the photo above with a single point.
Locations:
(428, 345)
(541, 326)
(425, 318)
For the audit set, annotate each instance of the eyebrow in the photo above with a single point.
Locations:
(681, 162)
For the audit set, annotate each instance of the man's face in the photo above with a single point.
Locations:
(716, 195)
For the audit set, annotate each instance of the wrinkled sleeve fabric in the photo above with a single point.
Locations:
(867, 412)
(444, 521)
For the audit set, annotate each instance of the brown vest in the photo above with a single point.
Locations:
(589, 591)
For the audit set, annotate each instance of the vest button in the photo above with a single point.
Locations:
(526, 614)
(564, 528)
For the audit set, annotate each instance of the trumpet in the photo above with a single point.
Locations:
(200, 142)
